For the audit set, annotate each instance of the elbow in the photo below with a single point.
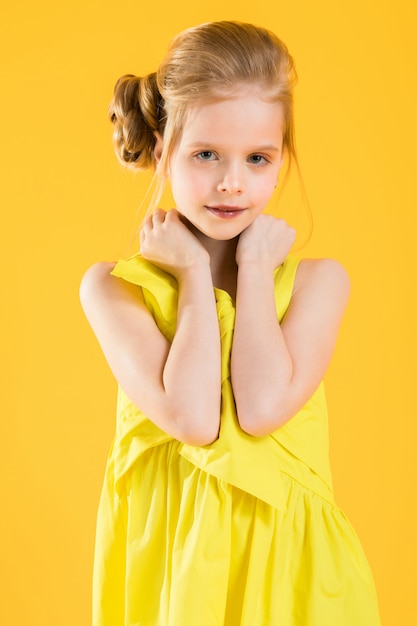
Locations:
(198, 439)
(198, 434)
(262, 421)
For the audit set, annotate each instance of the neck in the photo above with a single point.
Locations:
(222, 259)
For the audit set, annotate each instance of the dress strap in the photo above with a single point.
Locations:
(159, 288)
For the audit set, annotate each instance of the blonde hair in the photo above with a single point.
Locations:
(206, 63)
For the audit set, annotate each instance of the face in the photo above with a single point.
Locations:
(226, 164)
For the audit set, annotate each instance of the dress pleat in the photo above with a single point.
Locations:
(243, 532)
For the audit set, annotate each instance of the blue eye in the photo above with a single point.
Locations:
(257, 159)
(206, 155)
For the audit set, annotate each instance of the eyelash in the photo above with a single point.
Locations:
(263, 160)
(199, 156)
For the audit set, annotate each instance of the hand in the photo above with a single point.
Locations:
(266, 241)
(167, 242)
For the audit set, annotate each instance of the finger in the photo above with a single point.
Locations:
(146, 227)
(172, 215)
(158, 217)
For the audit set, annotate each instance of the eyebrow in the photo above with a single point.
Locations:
(210, 146)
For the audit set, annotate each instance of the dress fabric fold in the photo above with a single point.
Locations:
(242, 532)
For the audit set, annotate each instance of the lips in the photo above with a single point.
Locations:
(225, 211)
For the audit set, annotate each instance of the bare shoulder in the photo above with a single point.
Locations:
(98, 286)
(321, 291)
(97, 276)
(95, 282)
(324, 276)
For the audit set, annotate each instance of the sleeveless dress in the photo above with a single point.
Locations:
(241, 532)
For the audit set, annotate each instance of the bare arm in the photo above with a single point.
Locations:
(276, 368)
(177, 386)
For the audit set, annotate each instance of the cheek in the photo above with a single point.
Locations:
(192, 184)
(267, 187)
(178, 183)
(184, 190)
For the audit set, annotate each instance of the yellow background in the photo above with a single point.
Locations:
(65, 203)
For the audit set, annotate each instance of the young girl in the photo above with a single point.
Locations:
(217, 507)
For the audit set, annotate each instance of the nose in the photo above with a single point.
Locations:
(232, 181)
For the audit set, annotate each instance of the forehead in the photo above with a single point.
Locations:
(244, 117)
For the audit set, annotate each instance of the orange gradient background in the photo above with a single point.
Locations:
(66, 203)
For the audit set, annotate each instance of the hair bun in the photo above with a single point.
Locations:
(134, 113)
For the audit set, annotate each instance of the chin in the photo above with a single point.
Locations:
(219, 236)
(216, 234)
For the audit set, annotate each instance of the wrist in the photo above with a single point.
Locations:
(255, 279)
(196, 272)
(256, 267)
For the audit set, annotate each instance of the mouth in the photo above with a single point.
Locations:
(225, 211)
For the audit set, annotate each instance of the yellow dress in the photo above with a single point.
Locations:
(242, 532)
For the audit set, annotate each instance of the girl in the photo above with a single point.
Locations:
(217, 507)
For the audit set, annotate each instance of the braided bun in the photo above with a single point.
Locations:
(134, 111)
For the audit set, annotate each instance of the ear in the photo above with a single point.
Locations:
(158, 146)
